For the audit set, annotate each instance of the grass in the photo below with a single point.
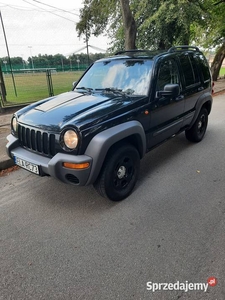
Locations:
(222, 71)
(31, 87)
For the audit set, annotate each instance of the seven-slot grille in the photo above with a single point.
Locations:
(37, 140)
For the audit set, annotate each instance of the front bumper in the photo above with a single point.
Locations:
(52, 166)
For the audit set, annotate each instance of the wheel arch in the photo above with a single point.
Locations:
(205, 101)
(208, 106)
(130, 132)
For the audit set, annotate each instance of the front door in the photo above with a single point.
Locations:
(166, 111)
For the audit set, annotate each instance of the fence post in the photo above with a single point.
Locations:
(2, 89)
(49, 82)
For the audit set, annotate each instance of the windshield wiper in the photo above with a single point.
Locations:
(129, 92)
(112, 90)
(89, 90)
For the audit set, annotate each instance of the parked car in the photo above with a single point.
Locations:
(121, 108)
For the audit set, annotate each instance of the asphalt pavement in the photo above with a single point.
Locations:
(5, 118)
(63, 242)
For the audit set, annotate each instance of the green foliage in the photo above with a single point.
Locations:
(95, 16)
(160, 23)
(211, 33)
(167, 22)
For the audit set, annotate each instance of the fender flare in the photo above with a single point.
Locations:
(101, 143)
(206, 98)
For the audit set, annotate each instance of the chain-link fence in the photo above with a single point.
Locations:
(36, 37)
(32, 85)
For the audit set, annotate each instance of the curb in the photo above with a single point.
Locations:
(5, 164)
(12, 108)
(218, 92)
(6, 124)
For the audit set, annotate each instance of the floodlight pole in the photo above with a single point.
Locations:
(87, 48)
(32, 62)
(7, 48)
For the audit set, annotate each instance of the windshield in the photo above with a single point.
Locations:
(131, 76)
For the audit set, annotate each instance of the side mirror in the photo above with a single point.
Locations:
(170, 90)
(74, 84)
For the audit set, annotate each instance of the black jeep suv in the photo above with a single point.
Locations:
(121, 108)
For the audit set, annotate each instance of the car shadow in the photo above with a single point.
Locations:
(85, 198)
(166, 152)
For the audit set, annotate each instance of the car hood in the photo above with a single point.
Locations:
(72, 108)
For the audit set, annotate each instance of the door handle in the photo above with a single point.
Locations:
(201, 88)
(179, 98)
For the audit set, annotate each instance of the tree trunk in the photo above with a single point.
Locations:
(217, 62)
(130, 28)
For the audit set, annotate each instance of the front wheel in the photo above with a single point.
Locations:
(197, 131)
(119, 173)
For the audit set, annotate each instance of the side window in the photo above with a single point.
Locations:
(168, 73)
(188, 71)
(196, 70)
(204, 67)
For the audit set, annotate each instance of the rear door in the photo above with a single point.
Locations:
(192, 83)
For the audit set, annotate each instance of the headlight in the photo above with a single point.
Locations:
(14, 124)
(70, 139)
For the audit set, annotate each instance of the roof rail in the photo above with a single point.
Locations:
(140, 53)
(130, 51)
(183, 47)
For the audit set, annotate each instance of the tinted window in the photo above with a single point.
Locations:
(204, 67)
(168, 73)
(187, 70)
(195, 67)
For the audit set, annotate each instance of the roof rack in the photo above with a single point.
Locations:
(183, 47)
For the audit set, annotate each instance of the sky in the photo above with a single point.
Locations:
(35, 27)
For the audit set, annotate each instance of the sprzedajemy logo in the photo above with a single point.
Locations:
(181, 286)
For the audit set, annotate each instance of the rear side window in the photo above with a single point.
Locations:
(195, 67)
(190, 71)
(204, 67)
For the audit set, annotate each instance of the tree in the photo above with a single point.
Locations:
(130, 27)
(162, 24)
(217, 62)
(155, 24)
(217, 36)
(97, 14)
(211, 34)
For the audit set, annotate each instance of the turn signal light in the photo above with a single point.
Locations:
(76, 166)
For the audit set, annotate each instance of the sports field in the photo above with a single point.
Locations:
(31, 87)
(222, 71)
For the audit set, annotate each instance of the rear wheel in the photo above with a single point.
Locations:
(119, 173)
(197, 131)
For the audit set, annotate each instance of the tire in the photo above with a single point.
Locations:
(197, 131)
(119, 173)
